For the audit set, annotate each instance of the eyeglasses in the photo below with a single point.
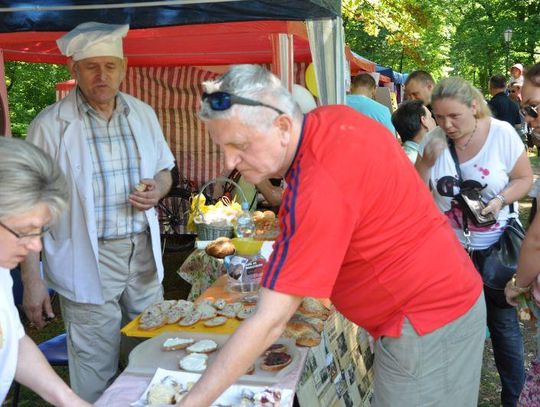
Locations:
(513, 91)
(220, 101)
(530, 110)
(25, 235)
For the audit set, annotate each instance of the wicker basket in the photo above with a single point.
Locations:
(212, 232)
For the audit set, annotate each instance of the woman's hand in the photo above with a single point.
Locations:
(433, 150)
(511, 294)
(426, 161)
(512, 291)
(494, 207)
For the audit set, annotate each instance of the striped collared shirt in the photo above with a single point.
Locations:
(116, 169)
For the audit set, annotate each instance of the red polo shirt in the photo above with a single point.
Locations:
(360, 227)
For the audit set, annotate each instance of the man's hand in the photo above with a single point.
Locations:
(37, 302)
(156, 188)
(249, 341)
(143, 200)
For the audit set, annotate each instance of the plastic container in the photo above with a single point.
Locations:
(245, 267)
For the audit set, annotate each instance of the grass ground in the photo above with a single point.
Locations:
(176, 288)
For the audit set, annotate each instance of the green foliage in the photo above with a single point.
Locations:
(31, 87)
(460, 37)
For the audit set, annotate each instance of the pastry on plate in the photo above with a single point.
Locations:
(207, 311)
(276, 347)
(152, 318)
(309, 339)
(217, 321)
(190, 319)
(203, 346)
(176, 343)
(246, 312)
(219, 303)
(194, 362)
(220, 248)
(275, 361)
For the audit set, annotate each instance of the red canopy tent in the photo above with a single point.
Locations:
(202, 44)
(167, 65)
(168, 59)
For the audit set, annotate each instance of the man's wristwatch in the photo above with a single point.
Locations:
(513, 286)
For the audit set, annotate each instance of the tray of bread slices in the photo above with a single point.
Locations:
(193, 352)
(207, 314)
(217, 315)
(169, 387)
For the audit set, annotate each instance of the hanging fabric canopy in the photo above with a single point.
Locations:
(62, 15)
(169, 32)
(205, 44)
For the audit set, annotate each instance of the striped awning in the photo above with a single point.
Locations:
(174, 93)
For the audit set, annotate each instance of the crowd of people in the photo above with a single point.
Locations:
(400, 258)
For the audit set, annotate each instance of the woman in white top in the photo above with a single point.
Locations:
(32, 192)
(492, 159)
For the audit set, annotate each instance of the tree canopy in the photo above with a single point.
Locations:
(445, 38)
(31, 87)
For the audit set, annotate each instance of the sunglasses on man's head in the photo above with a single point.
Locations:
(530, 110)
(220, 101)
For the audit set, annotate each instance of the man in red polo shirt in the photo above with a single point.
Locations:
(357, 226)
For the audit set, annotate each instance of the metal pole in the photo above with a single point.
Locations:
(507, 55)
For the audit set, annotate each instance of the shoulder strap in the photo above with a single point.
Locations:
(453, 153)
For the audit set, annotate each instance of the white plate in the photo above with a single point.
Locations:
(149, 356)
(231, 396)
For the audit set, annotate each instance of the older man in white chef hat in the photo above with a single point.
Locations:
(103, 256)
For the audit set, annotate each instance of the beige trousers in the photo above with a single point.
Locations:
(440, 369)
(129, 283)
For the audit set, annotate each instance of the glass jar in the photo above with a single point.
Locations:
(244, 272)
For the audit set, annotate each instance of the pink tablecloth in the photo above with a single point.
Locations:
(127, 388)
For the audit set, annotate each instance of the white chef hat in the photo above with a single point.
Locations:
(93, 39)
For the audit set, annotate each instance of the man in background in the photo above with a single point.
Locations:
(412, 121)
(418, 86)
(502, 107)
(361, 99)
(103, 256)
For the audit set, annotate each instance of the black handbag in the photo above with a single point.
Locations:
(498, 263)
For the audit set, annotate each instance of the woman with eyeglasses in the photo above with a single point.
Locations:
(32, 192)
(492, 160)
